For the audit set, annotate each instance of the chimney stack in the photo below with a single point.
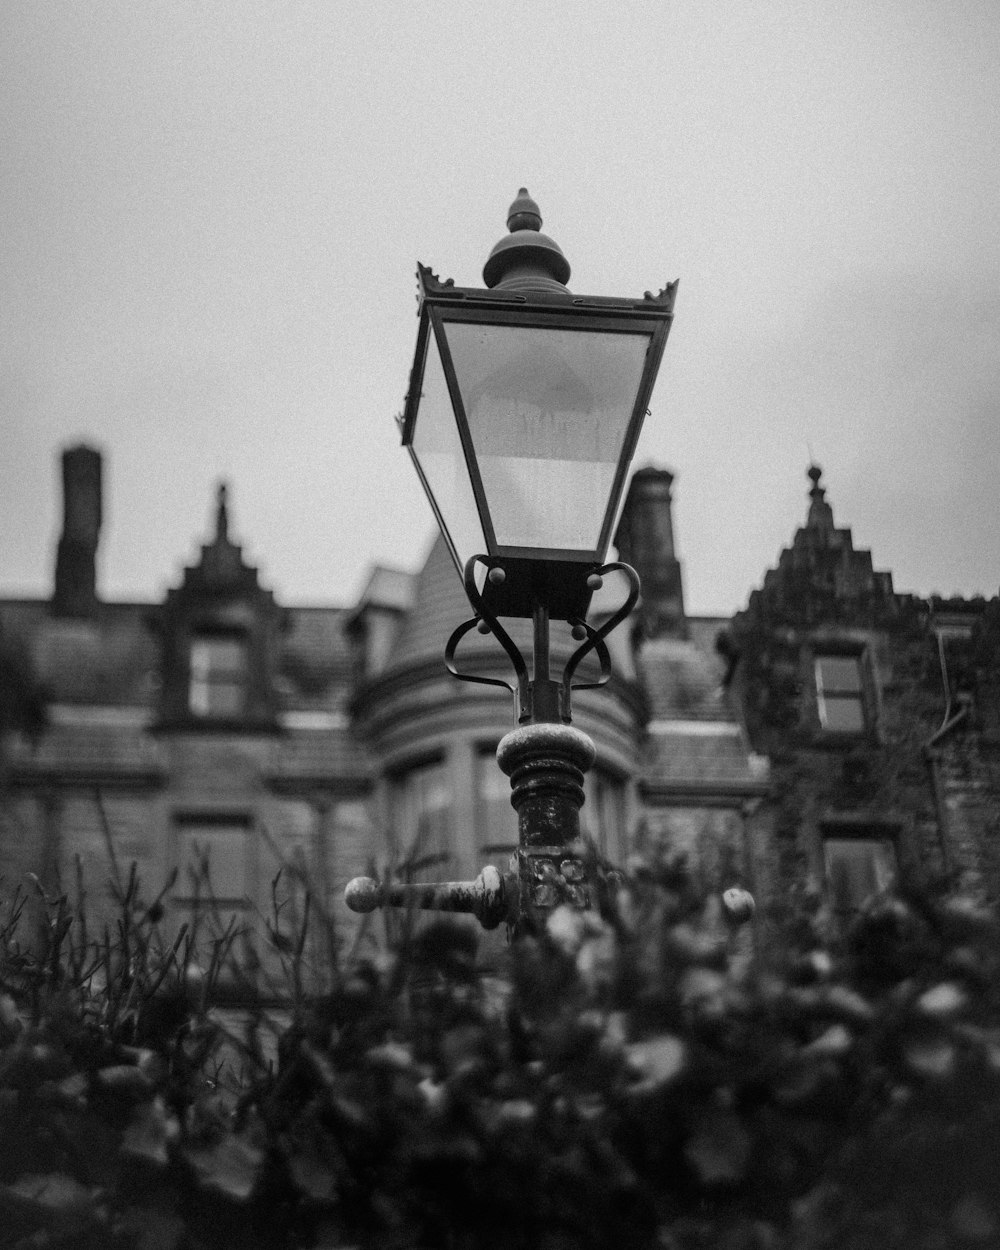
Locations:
(75, 592)
(645, 539)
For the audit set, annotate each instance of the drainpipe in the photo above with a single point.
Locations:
(933, 757)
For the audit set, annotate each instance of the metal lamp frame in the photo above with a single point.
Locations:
(562, 572)
(545, 757)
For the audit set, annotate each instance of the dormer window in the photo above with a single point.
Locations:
(220, 636)
(218, 683)
(840, 693)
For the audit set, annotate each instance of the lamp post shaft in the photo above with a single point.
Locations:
(543, 706)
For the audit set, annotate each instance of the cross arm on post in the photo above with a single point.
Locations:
(491, 897)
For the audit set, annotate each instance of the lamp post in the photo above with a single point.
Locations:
(523, 412)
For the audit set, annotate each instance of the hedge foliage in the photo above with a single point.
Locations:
(633, 1079)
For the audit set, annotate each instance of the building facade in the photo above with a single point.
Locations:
(878, 715)
(835, 733)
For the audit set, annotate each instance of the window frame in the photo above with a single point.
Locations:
(814, 710)
(232, 678)
(606, 788)
(189, 824)
(881, 837)
(485, 767)
(405, 816)
(829, 696)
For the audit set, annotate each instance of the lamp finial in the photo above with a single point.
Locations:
(525, 259)
(523, 214)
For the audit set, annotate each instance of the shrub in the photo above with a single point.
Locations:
(632, 1078)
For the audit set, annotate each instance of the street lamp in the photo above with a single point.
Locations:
(523, 412)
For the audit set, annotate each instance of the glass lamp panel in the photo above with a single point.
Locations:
(437, 448)
(548, 411)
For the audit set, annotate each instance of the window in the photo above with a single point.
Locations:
(496, 820)
(602, 817)
(422, 807)
(840, 693)
(214, 867)
(218, 676)
(858, 866)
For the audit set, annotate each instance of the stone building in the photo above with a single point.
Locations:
(878, 714)
(221, 723)
(835, 734)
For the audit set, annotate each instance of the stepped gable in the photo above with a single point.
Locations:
(221, 570)
(822, 576)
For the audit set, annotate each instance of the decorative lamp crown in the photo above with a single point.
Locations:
(526, 259)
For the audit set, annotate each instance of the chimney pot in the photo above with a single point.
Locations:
(75, 592)
(645, 539)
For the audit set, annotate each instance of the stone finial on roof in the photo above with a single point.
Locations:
(221, 513)
(221, 566)
(820, 513)
(822, 572)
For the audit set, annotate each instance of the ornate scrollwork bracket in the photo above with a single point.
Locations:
(487, 623)
(593, 640)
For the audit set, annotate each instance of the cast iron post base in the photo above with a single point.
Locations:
(546, 764)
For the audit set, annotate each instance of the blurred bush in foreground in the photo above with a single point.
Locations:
(631, 1079)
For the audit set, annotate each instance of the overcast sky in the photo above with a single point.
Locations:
(210, 215)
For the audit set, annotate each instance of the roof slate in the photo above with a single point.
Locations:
(89, 750)
(683, 677)
(113, 660)
(315, 754)
(703, 758)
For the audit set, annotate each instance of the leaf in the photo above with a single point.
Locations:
(55, 1199)
(313, 1175)
(392, 1055)
(230, 1168)
(848, 1004)
(719, 1149)
(152, 1229)
(972, 1219)
(126, 1081)
(943, 1000)
(835, 1041)
(10, 1021)
(932, 1057)
(657, 1061)
(149, 1132)
(704, 991)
